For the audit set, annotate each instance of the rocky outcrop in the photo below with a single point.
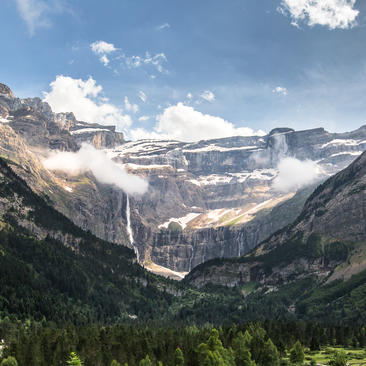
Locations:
(185, 249)
(34, 119)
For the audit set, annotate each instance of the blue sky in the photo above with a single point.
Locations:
(190, 69)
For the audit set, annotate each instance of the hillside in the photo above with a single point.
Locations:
(315, 266)
(51, 269)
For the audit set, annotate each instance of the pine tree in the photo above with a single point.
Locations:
(74, 360)
(241, 344)
(145, 362)
(297, 355)
(178, 357)
(270, 354)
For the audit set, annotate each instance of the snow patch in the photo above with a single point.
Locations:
(182, 221)
(338, 142)
(88, 130)
(213, 147)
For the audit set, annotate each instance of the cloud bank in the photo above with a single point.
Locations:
(294, 174)
(105, 170)
(183, 123)
(84, 100)
(331, 13)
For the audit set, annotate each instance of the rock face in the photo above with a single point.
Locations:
(219, 192)
(215, 188)
(35, 120)
(327, 240)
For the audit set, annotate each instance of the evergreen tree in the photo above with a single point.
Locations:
(297, 355)
(178, 357)
(257, 342)
(214, 353)
(74, 360)
(145, 362)
(340, 359)
(9, 361)
(241, 344)
(270, 354)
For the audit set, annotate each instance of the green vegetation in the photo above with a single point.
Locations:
(255, 344)
(174, 227)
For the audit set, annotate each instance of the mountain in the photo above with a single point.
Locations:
(52, 270)
(317, 264)
(218, 194)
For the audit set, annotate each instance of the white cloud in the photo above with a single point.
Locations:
(102, 47)
(104, 169)
(144, 118)
(36, 12)
(294, 174)
(130, 107)
(142, 96)
(181, 122)
(158, 61)
(163, 26)
(104, 60)
(82, 98)
(208, 96)
(280, 90)
(189, 96)
(331, 13)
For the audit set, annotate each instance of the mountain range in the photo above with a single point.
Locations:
(278, 217)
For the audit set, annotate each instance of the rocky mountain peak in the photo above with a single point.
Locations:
(6, 91)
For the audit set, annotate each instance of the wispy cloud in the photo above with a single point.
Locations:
(280, 90)
(104, 50)
(331, 13)
(163, 26)
(158, 60)
(130, 107)
(142, 96)
(208, 96)
(36, 13)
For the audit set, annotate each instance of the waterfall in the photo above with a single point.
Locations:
(280, 146)
(191, 258)
(129, 229)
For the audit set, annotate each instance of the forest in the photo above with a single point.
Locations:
(268, 343)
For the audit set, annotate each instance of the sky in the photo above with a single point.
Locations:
(190, 69)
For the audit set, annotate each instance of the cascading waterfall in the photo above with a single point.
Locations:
(239, 244)
(204, 253)
(129, 229)
(191, 259)
(280, 146)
